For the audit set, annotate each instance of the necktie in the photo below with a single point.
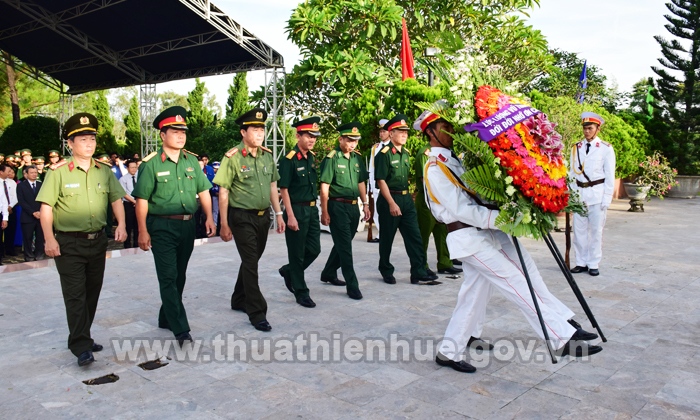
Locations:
(588, 147)
(7, 194)
(34, 188)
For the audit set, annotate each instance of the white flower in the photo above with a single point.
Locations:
(497, 161)
(509, 179)
(453, 88)
(497, 174)
(457, 92)
(510, 190)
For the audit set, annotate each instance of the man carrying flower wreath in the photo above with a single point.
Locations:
(489, 259)
(593, 166)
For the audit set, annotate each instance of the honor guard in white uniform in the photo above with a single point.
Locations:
(376, 147)
(593, 165)
(490, 261)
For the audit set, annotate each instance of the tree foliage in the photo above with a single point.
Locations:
(199, 117)
(38, 133)
(132, 122)
(106, 142)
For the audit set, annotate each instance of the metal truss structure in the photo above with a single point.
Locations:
(65, 110)
(147, 109)
(275, 102)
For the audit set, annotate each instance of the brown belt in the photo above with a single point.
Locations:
(451, 227)
(305, 203)
(252, 211)
(176, 216)
(344, 200)
(589, 184)
(398, 192)
(83, 235)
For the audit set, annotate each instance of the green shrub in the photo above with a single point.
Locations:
(40, 134)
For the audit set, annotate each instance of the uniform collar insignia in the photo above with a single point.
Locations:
(299, 155)
(97, 164)
(71, 166)
(162, 157)
(393, 150)
(244, 152)
(442, 158)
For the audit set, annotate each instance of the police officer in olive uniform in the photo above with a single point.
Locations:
(74, 198)
(298, 189)
(426, 220)
(395, 204)
(247, 180)
(343, 177)
(168, 183)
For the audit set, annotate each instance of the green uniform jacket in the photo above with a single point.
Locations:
(80, 199)
(298, 175)
(247, 177)
(393, 167)
(170, 188)
(419, 163)
(343, 174)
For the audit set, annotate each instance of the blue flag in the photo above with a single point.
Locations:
(582, 84)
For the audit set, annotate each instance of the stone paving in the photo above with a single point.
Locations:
(647, 300)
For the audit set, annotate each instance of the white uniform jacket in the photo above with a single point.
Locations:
(449, 203)
(599, 163)
(376, 147)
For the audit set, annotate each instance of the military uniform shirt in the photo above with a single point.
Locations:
(298, 175)
(80, 199)
(170, 188)
(419, 163)
(393, 167)
(343, 174)
(247, 177)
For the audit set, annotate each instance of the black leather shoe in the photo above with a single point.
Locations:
(355, 294)
(335, 282)
(580, 333)
(579, 269)
(96, 347)
(85, 358)
(263, 326)
(306, 302)
(450, 270)
(287, 281)
(389, 279)
(430, 272)
(594, 272)
(479, 344)
(460, 366)
(182, 337)
(578, 349)
(416, 280)
(457, 262)
(374, 241)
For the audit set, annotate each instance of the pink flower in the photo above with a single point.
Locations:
(530, 162)
(539, 172)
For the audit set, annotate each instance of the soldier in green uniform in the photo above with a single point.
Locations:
(247, 180)
(74, 198)
(54, 156)
(298, 189)
(343, 177)
(395, 204)
(166, 199)
(26, 159)
(426, 221)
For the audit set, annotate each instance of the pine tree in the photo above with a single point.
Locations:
(106, 141)
(198, 117)
(237, 102)
(680, 96)
(132, 122)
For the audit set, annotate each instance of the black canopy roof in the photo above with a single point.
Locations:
(101, 44)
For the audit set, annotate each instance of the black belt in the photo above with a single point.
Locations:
(305, 203)
(344, 200)
(451, 227)
(176, 216)
(404, 192)
(252, 211)
(589, 184)
(83, 235)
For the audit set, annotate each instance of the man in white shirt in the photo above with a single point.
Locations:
(490, 262)
(128, 181)
(383, 141)
(593, 166)
(9, 190)
(3, 210)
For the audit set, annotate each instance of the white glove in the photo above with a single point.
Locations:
(604, 206)
(493, 214)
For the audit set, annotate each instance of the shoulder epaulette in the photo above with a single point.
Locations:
(605, 143)
(432, 160)
(312, 152)
(266, 149)
(231, 152)
(149, 157)
(385, 149)
(104, 163)
(193, 154)
(358, 152)
(427, 152)
(331, 154)
(290, 154)
(58, 164)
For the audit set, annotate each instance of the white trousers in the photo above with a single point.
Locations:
(588, 237)
(215, 209)
(375, 218)
(500, 269)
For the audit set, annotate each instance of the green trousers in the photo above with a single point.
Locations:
(345, 218)
(250, 234)
(427, 225)
(81, 267)
(172, 242)
(407, 224)
(303, 246)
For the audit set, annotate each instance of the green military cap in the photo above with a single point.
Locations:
(80, 124)
(39, 159)
(255, 116)
(397, 123)
(174, 117)
(18, 153)
(26, 152)
(308, 125)
(54, 153)
(351, 130)
(2, 156)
